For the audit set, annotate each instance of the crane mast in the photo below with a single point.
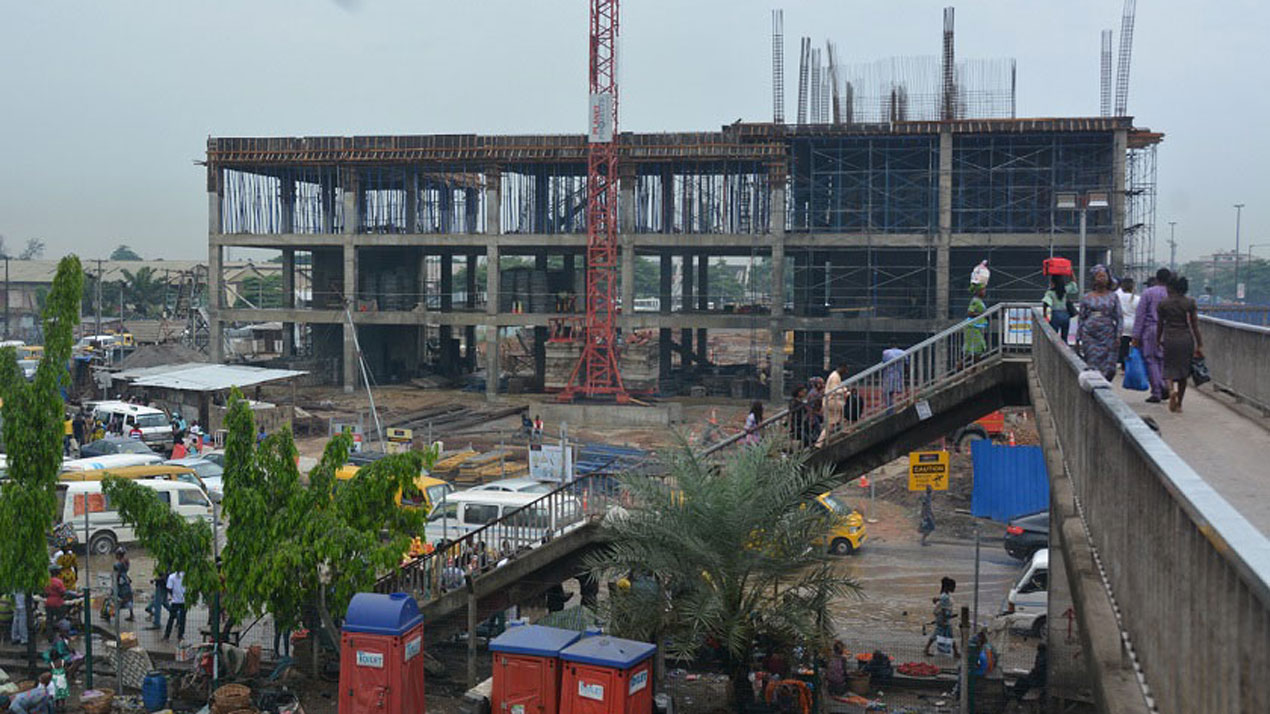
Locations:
(596, 374)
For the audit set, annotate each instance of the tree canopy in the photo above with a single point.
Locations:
(736, 546)
(33, 425)
(286, 537)
(123, 252)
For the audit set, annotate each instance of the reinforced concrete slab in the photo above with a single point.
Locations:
(664, 414)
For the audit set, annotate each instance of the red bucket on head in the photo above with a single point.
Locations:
(1057, 266)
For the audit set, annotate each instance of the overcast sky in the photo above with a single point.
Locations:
(108, 104)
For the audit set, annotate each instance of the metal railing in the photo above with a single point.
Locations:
(450, 559)
(1235, 353)
(1190, 575)
(922, 369)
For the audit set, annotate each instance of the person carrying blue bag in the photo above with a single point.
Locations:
(1135, 371)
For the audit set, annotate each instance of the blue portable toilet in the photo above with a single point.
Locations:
(527, 668)
(381, 656)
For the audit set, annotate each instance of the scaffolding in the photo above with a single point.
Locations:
(1006, 183)
(1139, 222)
(864, 184)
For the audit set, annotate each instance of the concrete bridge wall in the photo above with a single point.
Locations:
(1238, 356)
(1189, 576)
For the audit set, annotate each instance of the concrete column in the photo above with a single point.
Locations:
(491, 279)
(447, 282)
(703, 304)
(776, 342)
(470, 280)
(352, 201)
(491, 362)
(776, 179)
(664, 339)
(412, 203)
(943, 241)
(667, 201)
(667, 278)
(778, 276)
(216, 342)
(350, 300)
(493, 202)
(626, 199)
(471, 210)
(288, 300)
(216, 338)
(686, 279)
(287, 197)
(628, 274)
(445, 207)
(469, 341)
(1119, 152)
(448, 358)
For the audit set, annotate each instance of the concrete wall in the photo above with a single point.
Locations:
(1236, 355)
(1189, 575)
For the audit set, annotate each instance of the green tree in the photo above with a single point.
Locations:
(289, 543)
(729, 554)
(123, 252)
(175, 543)
(33, 417)
(144, 291)
(262, 292)
(34, 249)
(1254, 274)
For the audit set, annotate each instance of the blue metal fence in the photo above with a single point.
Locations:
(1010, 481)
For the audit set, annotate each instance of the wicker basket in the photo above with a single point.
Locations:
(100, 704)
(231, 698)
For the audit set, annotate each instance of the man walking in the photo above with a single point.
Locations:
(1144, 334)
(834, 402)
(176, 606)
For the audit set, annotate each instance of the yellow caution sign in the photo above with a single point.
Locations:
(928, 468)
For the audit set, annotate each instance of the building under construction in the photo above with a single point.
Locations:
(855, 229)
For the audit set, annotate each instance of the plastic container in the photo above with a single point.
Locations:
(606, 675)
(527, 668)
(154, 691)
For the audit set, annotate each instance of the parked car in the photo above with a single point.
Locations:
(151, 425)
(1026, 604)
(106, 528)
(203, 467)
(517, 485)
(111, 461)
(216, 456)
(1027, 534)
(114, 445)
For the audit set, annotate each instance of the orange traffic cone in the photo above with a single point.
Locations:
(1012, 439)
(864, 482)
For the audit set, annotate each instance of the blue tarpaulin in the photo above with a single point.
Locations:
(1010, 481)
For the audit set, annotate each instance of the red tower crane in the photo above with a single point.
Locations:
(596, 373)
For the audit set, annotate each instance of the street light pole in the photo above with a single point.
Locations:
(1172, 248)
(1239, 210)
(1084, 210)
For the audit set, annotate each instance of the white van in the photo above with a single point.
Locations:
(466, 511)
(1026, 605)
(154, 425)
(105, 528)
(110, 461)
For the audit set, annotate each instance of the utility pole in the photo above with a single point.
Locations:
(1172, 248)
(6, 297)
(98, 296)
(1239, 210)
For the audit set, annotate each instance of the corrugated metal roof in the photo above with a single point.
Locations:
(203, 377)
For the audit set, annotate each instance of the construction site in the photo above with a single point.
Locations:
(744, 259)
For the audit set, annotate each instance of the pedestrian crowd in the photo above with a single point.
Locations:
(1162, 324)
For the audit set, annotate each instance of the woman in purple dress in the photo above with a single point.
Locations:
(1098, 335)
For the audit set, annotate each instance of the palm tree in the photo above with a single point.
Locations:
(143, 290)
(725, 554)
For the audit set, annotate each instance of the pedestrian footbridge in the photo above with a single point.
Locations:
(1160, 562)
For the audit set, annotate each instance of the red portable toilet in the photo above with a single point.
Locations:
(527, 668)
(381, 656)
(607, 675)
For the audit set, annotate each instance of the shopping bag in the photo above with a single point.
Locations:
(1199, 371)
(944, 645)
(1135, 371)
